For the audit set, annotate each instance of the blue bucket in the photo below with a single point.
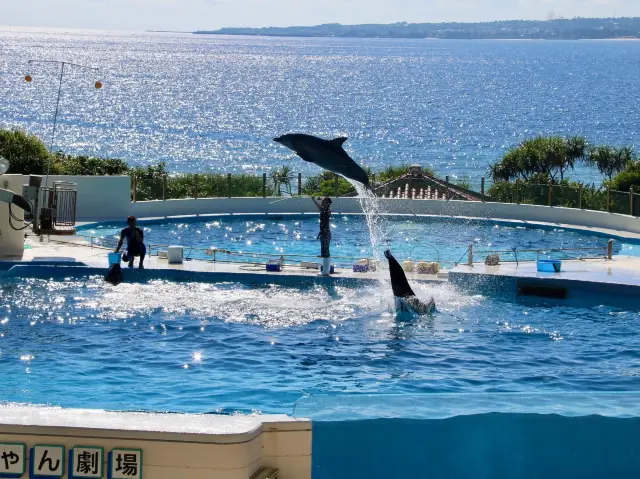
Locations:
(549, 265)
(114, 258)
(332, 269)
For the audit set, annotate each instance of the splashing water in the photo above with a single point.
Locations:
(370, 204)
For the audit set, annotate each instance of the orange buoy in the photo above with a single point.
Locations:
(98, 84)
(28, 78)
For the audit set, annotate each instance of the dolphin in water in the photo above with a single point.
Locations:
(10, 197)
(406, 299)
(114, 276)
(327, 154)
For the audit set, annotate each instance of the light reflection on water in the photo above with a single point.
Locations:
(205, 347)
(419, 238)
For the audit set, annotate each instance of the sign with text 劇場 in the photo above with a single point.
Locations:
(49, 461)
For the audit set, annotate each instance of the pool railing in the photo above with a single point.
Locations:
(425, 187)
(226, 255)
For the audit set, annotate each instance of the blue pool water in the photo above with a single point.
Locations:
(205, 347)
(419, 238)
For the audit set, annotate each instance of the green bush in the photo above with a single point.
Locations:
(87, 165)
(328, 184)
(25, 152)
(626, 179)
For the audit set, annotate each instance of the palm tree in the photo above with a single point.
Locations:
(282, 177)
(603, 158)
(575, 149)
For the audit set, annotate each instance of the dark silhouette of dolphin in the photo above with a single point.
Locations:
(114, 276)
(406, 299)
(327, 154)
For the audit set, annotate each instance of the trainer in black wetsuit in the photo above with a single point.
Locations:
(325, 226)
(135, 243)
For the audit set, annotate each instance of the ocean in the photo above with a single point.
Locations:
(205, 103)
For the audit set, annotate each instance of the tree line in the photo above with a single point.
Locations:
(28, 155)
(526, 172)
(560, 28)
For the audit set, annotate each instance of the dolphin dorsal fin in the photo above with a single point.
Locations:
(339, 141)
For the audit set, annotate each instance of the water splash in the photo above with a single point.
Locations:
(370, 205)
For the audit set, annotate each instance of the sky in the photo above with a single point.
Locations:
(190, 15)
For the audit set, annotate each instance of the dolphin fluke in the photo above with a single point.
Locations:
(399, 283)
(114, 276)
(406, 300)
(327, 154)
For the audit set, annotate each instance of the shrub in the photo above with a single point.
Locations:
(25, 152)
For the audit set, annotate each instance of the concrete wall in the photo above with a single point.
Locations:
(103, 197)
(11, 241)
(527, 213)
(109, 197)
(173, 445)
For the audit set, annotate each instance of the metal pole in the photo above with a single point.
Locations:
(482, 188)
(610, 249)
(337, 186)
(550, 192)
(229, 185)
(447, 192)
(470, 256)
(55, 116)
(518, 191)
(608, 199)
(373, 181)
(299, 184)
(631, 201)
(164, 187)
(580, 196)
(133, 188)
(264, 185)
(195, 186)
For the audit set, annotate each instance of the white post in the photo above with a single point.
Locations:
(11, 241)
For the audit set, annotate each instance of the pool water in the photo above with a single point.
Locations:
(231, 347)
(419, 238)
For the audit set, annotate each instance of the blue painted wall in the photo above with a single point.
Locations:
(513, 446)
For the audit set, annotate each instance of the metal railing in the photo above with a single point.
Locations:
(579, 197)
(262, 185)
(226, 255)
(57, 207)
(582, 253)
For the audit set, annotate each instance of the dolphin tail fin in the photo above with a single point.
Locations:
(339, 141)
(399, 283)
(114, 276)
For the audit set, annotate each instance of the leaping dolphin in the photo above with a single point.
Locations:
(10, 197)
(327, 154)
(406, 299)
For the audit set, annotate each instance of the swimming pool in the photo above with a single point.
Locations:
(233, 347)
(419, 238)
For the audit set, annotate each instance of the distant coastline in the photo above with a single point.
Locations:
(557, 29)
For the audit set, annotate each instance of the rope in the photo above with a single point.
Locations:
(14, 217)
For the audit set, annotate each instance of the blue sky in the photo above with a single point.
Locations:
(206, 14)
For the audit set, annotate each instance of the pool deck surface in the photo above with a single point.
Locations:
(80, 250)
(619, 270)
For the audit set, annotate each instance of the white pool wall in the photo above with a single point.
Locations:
(181, 446)
(109, 198)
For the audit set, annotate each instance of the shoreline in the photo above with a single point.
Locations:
(261, 35)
